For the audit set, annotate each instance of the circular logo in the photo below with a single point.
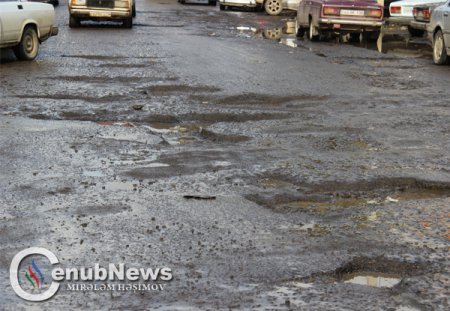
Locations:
(33, 274)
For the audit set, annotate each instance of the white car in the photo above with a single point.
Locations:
(24, 25)
(401, 12)
(439, 31)
(225, 4)
(272, 7)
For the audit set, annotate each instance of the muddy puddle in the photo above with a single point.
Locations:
(283, 194)
(168, 89)
(373, 280)
(394, 42)
(258, 100)
(380, 272)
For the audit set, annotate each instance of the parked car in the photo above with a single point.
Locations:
(342, 16)
(98, 10)
(439, 32)
(24, 25)
(387, 3)
(422, 15)
(275, 7)
(401, 13)
(225, 4)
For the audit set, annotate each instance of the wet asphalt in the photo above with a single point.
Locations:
(266, 173)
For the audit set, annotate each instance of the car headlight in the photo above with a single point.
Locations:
(78, 2)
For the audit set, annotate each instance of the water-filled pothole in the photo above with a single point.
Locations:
(288, 195)
(374, 280)
(378, 272)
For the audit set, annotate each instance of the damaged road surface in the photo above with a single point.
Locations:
(308, 176)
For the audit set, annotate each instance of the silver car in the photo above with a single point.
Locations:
(439, 33)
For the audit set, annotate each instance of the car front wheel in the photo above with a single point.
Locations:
(28, 47)
(439, 51)
(273, 7)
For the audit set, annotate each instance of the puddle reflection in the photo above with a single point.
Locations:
(373, 280)
(386, 43)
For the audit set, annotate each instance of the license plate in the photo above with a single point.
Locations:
(100, 14)
(352, 12)
(407, 10)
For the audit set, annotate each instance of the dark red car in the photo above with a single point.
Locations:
(342, 16)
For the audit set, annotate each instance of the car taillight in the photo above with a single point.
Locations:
(330, 11)
(426, 13)
(415, 12)
(374, 13)
(395, 9)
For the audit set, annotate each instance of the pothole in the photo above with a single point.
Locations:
(253, 99)
(376, 272)
(168, 89)
(286, 195)
(375, 280)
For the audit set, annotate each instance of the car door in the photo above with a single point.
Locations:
(12, 16)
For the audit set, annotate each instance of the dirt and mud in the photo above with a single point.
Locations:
(268, 172)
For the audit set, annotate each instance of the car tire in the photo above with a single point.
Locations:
(415, 32)
(74, 22)
(133, 10)
(128, 23)
(439, 50)
(212, 2)
(222, 7)
(28, 47)
(273, 7)
(312, 31)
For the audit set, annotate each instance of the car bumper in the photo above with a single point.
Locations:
(419, 25)
(400, 20)
(249, 4)
(92, 14)
(53, 32)
(349, 24)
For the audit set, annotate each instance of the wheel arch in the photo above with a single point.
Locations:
(33, 24)
(435, 30)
